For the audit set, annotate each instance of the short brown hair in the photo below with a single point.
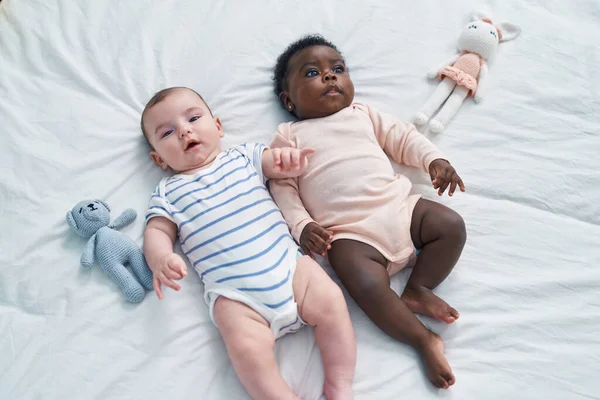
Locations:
(160, 96)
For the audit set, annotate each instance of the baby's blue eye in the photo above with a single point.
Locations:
(493, 33)
(473, 26)
(312, 73)
(167, 133)
(195, 118)
(338, 69)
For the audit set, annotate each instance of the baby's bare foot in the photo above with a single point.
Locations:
(423, 301)
(438, 369)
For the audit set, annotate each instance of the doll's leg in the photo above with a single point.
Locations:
(251, 348)
(131, 288)
(449, 109)
(440, 233)
(140, 269)
(362, 270)
(322, 305)
(441, 93)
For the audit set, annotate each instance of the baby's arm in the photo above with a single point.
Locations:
(310, 235)
(402, 142)
(285, 162)
(159, 237)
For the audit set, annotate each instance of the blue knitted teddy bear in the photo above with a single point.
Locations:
(113, 249)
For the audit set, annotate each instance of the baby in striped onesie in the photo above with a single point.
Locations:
(257, 285)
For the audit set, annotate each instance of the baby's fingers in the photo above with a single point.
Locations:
(172, 274)
(178, 267)
(286, 159)
(276, 158)
(323, 234)
(157, 288)
(443, 188)
(320, 245)
(461, 185)
(317, 247)
(168, 282)
(452, 187)
(295, 157)
(307, 251)
(307, 152)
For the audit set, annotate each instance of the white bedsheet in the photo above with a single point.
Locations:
(74, 76)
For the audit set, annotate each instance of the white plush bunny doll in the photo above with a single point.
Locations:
(466, 73)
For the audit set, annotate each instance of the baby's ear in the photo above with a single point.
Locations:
(158, 160)
(509, 31)
(71, 220)
(286, 101)
(219, 126)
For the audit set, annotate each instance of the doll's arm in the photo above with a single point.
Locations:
(127, 217)
(481, 84)
(434, 72)
(87, 257)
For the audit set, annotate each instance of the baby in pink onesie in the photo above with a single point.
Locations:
(350, 205)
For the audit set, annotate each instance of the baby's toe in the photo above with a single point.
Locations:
(440, 383)
(451, 379)
(449, 319)
(448, 377)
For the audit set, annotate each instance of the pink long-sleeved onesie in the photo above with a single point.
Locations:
(350, 186)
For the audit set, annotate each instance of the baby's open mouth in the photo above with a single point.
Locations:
(192, 144)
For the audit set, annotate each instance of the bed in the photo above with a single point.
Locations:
(74, 77)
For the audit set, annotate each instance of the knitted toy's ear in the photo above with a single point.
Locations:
(509, 31)
(479, 15)
(71, 220)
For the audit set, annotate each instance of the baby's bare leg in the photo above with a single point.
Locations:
(322, 305)
(362, 270)
(440, 233)
(250, 344)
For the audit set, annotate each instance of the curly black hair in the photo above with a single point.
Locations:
(281, 65)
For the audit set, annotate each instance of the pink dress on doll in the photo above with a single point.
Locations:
(464, 71)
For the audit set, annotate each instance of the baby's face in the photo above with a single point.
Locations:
(318, 83)
(182, 131)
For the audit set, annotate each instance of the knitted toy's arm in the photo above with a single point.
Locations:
(87, 258)
(481, 84)
(434, 72)
(124, 219)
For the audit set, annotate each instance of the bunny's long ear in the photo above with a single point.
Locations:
(509, 31)
(479, 15)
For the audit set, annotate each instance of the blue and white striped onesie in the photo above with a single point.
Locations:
(234, 235)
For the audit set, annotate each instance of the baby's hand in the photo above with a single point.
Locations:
(290, 161)
(443, 174)
(170, 267)
(315, 239)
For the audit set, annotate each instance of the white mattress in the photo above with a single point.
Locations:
(74, 76)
